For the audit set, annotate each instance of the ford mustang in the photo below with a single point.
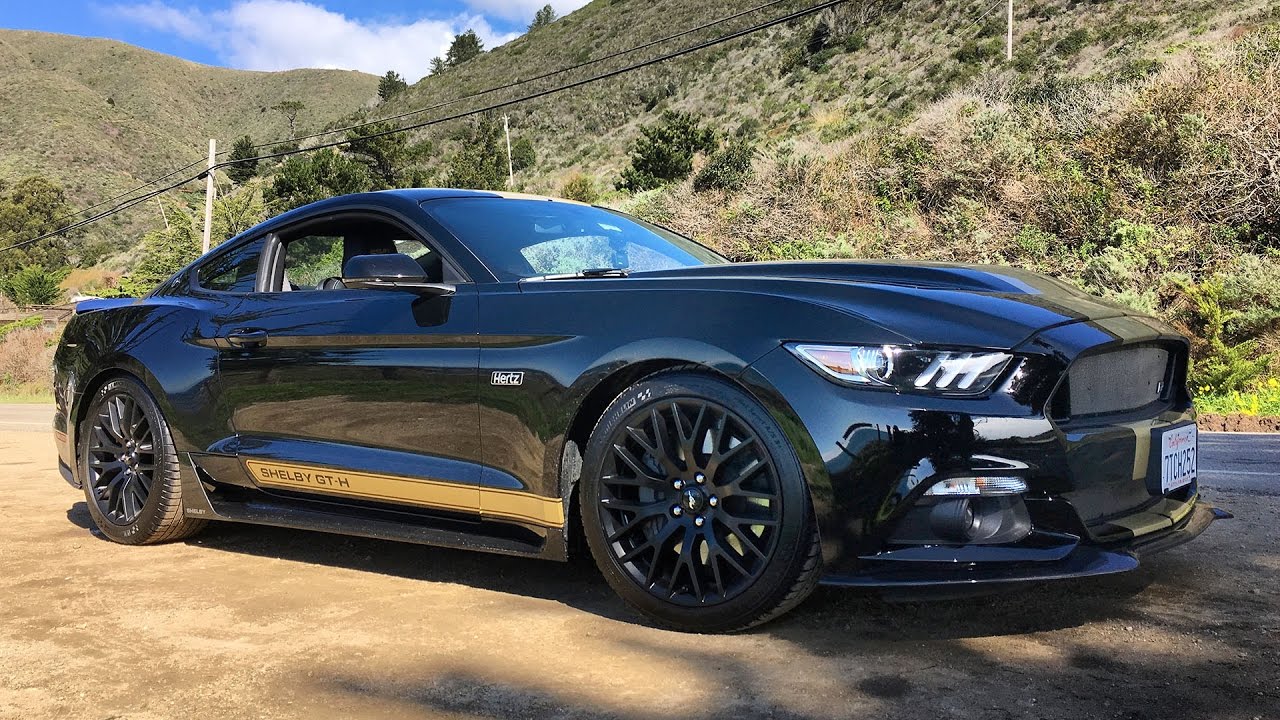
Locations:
(538, 377)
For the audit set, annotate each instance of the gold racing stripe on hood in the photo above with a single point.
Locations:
(499, 503)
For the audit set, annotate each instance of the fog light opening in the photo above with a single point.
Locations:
(955, 520)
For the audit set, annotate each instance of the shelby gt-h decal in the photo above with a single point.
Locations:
(419, 492)
(724, 436)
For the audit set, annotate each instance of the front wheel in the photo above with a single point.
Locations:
(695, 508)
(129, 468)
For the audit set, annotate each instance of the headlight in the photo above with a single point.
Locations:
(960, 372)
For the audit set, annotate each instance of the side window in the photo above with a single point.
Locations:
(235, 271)
(310, 260)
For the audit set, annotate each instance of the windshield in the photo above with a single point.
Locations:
(519, 238)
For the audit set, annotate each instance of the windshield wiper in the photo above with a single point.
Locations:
(586, 273)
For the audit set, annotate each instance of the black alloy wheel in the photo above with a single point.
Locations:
(695, 508)
(122, 459)
(128, 467)
(690, 501)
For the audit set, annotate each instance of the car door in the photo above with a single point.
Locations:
(351, 396)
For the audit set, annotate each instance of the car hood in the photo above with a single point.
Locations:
(924, 303)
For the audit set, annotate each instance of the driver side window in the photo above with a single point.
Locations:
(316, 253)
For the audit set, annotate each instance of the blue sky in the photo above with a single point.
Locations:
(373, 36)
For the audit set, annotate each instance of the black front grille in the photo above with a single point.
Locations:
(1116, 382)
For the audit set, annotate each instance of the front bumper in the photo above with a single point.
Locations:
(868, 457)
(946, 566)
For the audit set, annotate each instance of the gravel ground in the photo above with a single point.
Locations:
(247, 622)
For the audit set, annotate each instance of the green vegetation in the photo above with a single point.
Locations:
(465, 47)
(391, 85)
(664, 151)
(33, 285)
(244, 168)
(543, 18)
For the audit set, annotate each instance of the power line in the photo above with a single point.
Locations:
(518, 83)
(419, 111)
(457, 116)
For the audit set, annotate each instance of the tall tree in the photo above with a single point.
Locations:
(388, 156)
(438, 66)
(391, 85)
(543, 18)
(464, 47)
(290, 110)
(242, 167)
(481, 163)
(29, 208)
(315, 176)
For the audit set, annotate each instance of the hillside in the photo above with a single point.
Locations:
(882, 60)
(99, 116)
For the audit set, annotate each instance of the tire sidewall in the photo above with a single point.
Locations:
(150, 518)
(795, 530)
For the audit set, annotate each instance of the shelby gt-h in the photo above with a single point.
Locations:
(509, 373)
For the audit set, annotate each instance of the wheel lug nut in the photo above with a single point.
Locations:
(700, 478)
(678, 484)
(677, 511)
(699, 521)
(713, 501)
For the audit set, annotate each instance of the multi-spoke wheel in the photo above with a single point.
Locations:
(129, 468)
(694, 506)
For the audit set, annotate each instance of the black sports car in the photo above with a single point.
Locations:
(511, 374)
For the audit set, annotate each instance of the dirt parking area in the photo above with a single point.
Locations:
(246, 622)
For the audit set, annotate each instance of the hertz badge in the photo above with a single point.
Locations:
(507, 377)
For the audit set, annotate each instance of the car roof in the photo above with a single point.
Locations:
(424, 194)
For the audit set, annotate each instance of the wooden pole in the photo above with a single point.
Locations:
(511, 165)
(208, 194)
(1009, 39)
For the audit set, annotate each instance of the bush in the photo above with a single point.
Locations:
(580, 187)
(728, 168)
(33, 285)
(664, 152)
(26, 360)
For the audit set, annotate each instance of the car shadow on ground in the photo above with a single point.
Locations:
(870, 615)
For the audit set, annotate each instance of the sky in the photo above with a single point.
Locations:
(370, 35)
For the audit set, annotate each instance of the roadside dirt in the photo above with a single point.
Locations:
(1211, 422)
(247, 622)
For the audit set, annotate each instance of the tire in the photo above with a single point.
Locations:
(129, 468)
(705, 526)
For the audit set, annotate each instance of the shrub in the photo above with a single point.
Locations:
(26, 359)
(580, 187)
(728, 168)
(664, 152)
(33, 285)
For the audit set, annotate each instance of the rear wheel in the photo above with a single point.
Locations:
(695, 508)
(129, 468)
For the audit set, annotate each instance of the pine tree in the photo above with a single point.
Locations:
(545, 17)
(242, 169)
(463, 48)
(391, 84)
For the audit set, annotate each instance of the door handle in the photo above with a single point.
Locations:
(247, 338)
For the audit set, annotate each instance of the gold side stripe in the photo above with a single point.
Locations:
(506, 504)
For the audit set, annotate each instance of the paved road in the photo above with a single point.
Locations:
(1240, 462)
(32, 418)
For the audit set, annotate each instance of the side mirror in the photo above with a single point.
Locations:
(393, 271)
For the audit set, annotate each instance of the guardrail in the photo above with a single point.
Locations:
(52, 314)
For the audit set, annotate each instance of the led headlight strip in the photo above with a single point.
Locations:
(962, 372)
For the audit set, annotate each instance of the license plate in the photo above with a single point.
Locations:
(1177, 458)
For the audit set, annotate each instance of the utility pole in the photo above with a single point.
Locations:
(1009, 40)
(208, 194)
(511, 165)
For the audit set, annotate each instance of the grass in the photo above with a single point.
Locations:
(25, 395)
(1263, 401)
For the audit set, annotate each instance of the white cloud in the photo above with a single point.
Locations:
(287, 34)
(523, 10)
